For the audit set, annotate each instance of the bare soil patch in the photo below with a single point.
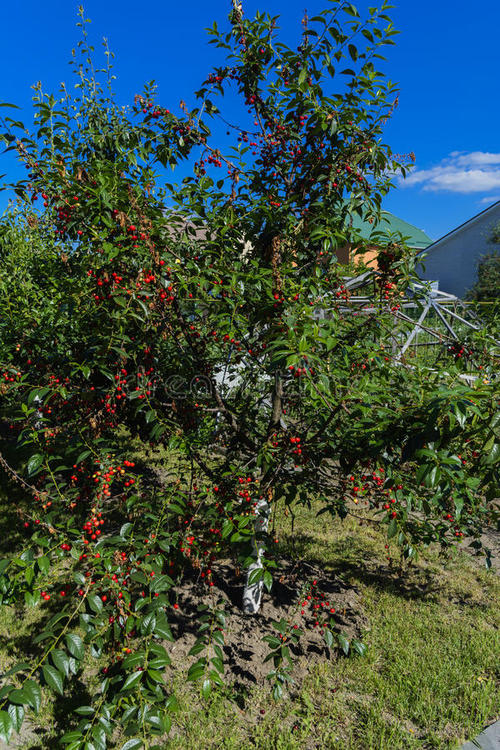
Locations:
(244, 649)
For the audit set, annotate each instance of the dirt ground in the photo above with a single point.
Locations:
(244, 649)
(491, 541)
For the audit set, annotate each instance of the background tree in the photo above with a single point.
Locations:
(487, 287)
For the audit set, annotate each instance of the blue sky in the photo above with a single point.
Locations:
(446, 62)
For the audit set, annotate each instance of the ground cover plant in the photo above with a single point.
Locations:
(185, 316)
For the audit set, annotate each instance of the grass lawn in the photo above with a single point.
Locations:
(430, 677)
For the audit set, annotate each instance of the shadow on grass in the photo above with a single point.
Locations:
(11, 524)
(20, 647)
(350, 559)
(60, 723)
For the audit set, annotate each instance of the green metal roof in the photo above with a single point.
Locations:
(389, 223)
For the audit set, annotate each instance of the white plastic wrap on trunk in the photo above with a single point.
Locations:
(252, 593)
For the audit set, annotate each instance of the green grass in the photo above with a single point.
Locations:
(430, 677)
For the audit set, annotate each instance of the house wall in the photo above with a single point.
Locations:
(454, 259)
(368, 256)
(349, 254)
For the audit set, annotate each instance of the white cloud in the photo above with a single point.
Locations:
(461, 172)
(489, 200)
(475, 158)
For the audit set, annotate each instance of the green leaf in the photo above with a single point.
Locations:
(256, 575)
(43, 564)
(206, 688)
(328, 636)
(129, 624)
(218, 637)
(125, 529)
(494, 455)
(53, 678)
(70, 737)
(359, 647)
(85, 454)
(5, 690)
(129, 713)
(272, 640)
(18, 696)
(171, 704)
(43, 636)
(133, 660)
(99, 738)
(16, 714)
(56, 618)
(132, 680)
(459, 504)
(34, 463)
(216, 678)
(197, 648)
(158, 650)
(29, 574)
(162, 628)
(148, 624)
(343, 643)
(6, 726)
(61, 661)
(133, 744)
(33, 694)
(95, 603)
(31, 599)
(392, 528)
(351, 10)
(84, 711)
(277, 691)
(18, 667)
(218, 664)
(196, 670)
(460, 412)
(139, 577)
(161, 583)
(155, 675)
(75, 645)
(433, 476)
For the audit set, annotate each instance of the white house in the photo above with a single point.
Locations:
(452, 261)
